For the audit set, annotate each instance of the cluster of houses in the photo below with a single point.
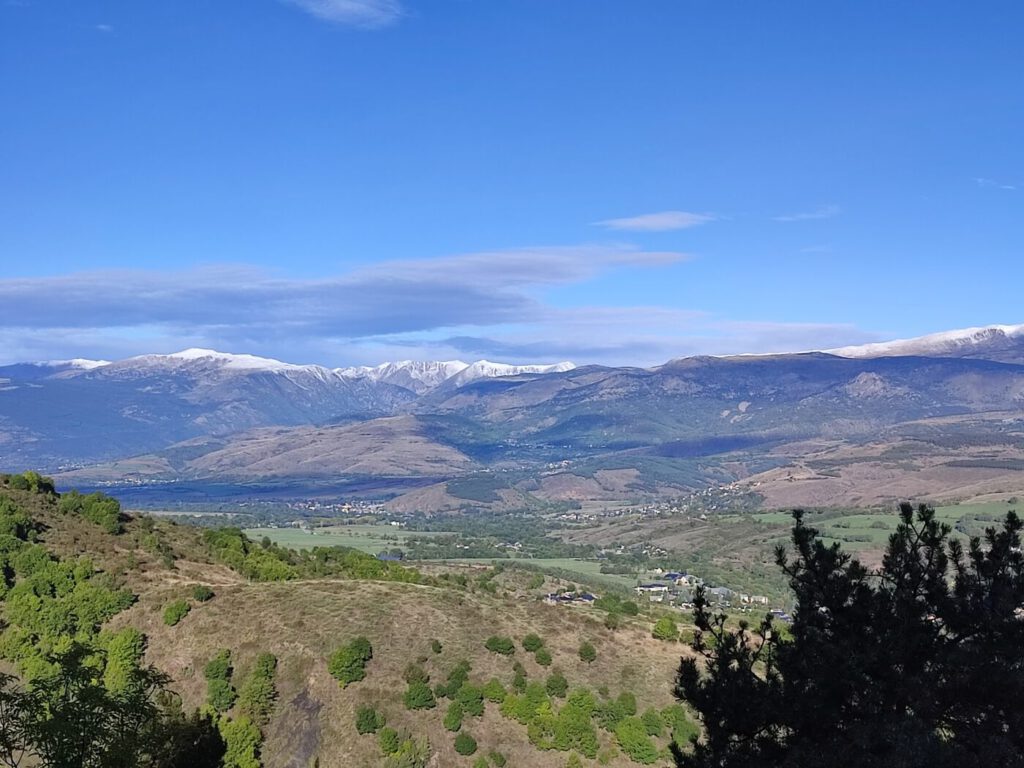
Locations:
(570, 598)
(678, 588)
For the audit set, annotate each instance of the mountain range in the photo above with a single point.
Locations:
(519, 434)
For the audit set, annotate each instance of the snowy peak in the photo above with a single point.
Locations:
(485, 369)
(1003, 343)
(76, 363)
(423, 376)
(210, 359)
(418, 375)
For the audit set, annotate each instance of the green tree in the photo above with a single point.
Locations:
(202, 593)
(587, 652)
(557, 685)
(419, 696)
(502, 645)
(243, 740)
(653, 723)
(634, 741)
(348, 663)
(532, 643)
(220, 694)
(543, 657)
(494, 691)
(369, 720)
(917, 664)
(258, 693)
(465, 744)
(453, 717)
(471, 697)
(665, 629)
(389, 741)
(175, 611)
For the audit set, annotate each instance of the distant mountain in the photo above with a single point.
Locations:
(424, 376)
(76, 412)
(544, 431)
(1003, 343)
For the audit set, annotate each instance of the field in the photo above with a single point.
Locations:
(368, 538)
(375, 538)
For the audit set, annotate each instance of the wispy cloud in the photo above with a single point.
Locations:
(994, 184)
(664, 221)
(489, 304)
(105, 28)
(824, 212)
(359, 13)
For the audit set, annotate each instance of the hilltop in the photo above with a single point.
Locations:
(433, 620)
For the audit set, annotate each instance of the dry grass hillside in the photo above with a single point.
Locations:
(303, 621)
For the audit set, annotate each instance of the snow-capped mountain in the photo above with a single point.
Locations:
(146, 402)
(418, 375)
(484, 369)
(424, 376)
(1003, 343)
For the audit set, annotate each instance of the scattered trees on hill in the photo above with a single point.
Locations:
(84, 698)
(920, 664)
(30, 481)
(98, 508)
(348, 663)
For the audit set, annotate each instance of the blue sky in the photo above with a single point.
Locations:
(349, 181)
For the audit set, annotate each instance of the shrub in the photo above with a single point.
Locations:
(557, 685)
(465, 744)
(494, 691)
(242, 741)
(348, 663)
(681, 727)
(497, 759)
(502, 645)
(453, 717)
(419, 696)
(543, 657)
(612, 621)
(653, 723)
(220, 695)
(389, 741)
(632, 737)
(414, 673)
(458, 676)
(665, 629)
(258, 693)
(369, 720)
(435, 645)
(175, 611)
(471, 698)
(587, 652)
(202, 593)
(532, 643)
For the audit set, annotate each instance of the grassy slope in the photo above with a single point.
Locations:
(302, 622)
